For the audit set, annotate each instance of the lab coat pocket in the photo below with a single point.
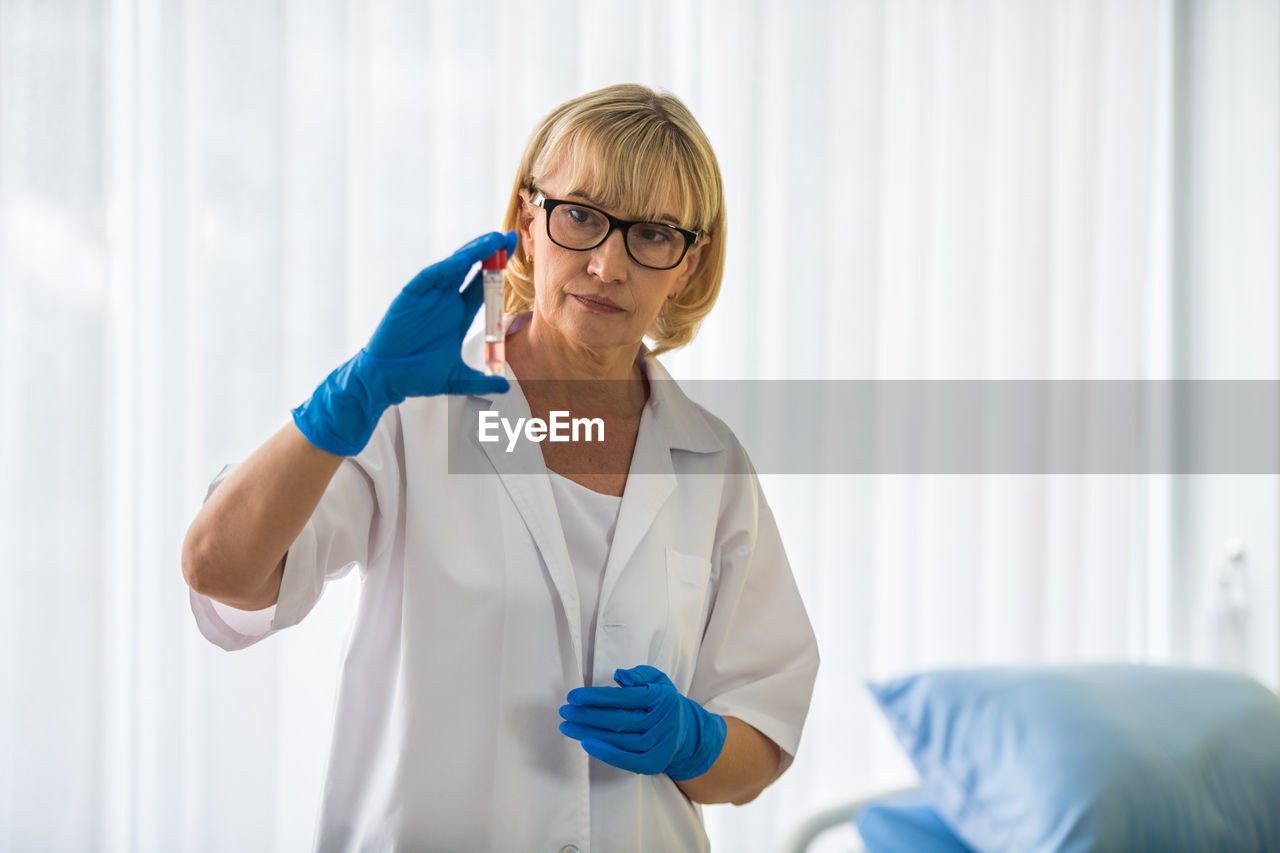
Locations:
(687, 580)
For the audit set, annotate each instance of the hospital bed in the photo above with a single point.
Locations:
(1084, 757)
(803, 836)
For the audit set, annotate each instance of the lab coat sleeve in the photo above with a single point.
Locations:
(350, 527)
(759, 658)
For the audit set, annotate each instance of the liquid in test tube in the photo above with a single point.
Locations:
(491, 269)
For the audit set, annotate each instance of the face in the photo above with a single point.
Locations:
(600, 298)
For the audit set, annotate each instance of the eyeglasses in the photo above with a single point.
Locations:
(581, 227)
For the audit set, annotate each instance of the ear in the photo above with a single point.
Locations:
(690, 266)
(524, 222)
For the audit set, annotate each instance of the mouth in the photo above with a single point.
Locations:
(597, 303)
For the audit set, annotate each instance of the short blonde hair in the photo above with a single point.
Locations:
(635, 149)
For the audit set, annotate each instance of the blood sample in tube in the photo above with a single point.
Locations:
(494, 333)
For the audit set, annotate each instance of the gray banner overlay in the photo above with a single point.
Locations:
(896, 427)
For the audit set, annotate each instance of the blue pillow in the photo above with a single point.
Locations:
(1094, 757)
(905, 824)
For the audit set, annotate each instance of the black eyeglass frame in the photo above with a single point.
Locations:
(541, 200)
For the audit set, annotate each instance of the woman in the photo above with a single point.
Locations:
(576, 643)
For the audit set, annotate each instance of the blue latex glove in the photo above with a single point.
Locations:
(414, 352)
(645, 725)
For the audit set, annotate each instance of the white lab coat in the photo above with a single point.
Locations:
(468, 638)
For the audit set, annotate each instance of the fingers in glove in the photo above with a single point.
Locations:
(485, 245)
(644, 741)
(638, 675)
(467, 380)
(620, 758)
(640, 697)
(612, 719)
(450, 271)
(581, 732)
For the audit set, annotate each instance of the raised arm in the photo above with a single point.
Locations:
(235, 548)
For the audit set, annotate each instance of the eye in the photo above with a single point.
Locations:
(655, 234)
(582, 216)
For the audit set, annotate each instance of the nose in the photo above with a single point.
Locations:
(609, 259)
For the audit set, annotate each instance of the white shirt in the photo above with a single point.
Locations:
(589, 519)
(469, 632)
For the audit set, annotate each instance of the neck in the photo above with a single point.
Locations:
(553, 367)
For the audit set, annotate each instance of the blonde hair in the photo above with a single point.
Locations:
(634, 149)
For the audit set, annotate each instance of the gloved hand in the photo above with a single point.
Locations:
(414, 352)
(645, 726)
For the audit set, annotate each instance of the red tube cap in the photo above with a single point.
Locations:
(496, 261)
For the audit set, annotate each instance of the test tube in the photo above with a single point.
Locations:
(494, 334)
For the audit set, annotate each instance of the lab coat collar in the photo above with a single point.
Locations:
(682, 423)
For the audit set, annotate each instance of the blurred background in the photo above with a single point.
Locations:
(206, 205)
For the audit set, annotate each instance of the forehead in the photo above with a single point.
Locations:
(631, 189)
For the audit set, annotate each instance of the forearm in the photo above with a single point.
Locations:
(747, 764)
(234, 550)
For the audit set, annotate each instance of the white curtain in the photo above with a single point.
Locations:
(205, 205)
